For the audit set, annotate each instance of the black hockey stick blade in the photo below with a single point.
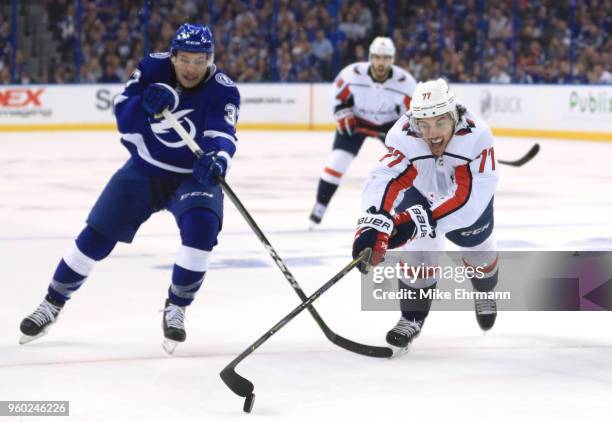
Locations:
(361, 349)
(242, 386)
(237, 383)
(525, 159)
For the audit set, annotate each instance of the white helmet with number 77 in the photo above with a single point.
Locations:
(432, 99)
(434, 113)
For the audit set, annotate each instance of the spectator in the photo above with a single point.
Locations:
(599, 75)
(110, 73)
(522, 77)
(124, 43)
(564, 76)
(58, 75)
(360, 53)
(91, 71)
(349, 25)
(25, 78)
(364, 17)
(498, 76)
(5, 75)
(256, 38)
(285, 73)
(323, 50)
(499, 25)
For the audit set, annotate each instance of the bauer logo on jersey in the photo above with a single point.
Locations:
(165, 133)
(223, 79)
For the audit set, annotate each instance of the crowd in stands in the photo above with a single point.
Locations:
(529, 41)
(5, 49)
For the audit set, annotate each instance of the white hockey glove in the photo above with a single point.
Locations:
(413, 224)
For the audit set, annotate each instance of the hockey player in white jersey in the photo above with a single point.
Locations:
(436, 181)
(368, 97)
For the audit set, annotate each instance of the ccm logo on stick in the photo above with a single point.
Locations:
(19, 97)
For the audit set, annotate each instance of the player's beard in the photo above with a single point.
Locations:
(381, 72)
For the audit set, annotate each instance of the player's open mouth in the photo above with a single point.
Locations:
(436, 141)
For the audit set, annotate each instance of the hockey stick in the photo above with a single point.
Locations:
(242, 386)
(371, 132)
(514, 163)
(362, 349)
(525, 159)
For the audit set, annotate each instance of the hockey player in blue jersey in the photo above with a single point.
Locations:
(161, 174)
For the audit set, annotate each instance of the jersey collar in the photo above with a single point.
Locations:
(371, 75)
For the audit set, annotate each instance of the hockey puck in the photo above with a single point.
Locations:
(248, 403)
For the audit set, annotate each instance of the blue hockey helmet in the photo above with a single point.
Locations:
(194, 39)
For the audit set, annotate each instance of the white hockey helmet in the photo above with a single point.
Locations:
(382, 46)
(433, 98)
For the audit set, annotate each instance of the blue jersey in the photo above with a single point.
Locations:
(208, 112)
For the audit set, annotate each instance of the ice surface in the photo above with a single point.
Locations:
(105, 356)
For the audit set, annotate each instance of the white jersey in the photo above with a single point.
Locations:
(458, 185)
(375, 104)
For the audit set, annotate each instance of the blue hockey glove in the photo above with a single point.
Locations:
(373, 231)
(210, 166)
(157, 97)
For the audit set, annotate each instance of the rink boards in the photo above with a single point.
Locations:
(548, 111)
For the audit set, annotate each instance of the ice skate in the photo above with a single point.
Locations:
(37, 324)
(401, 336)
(486, 313)
(173, 324)
(317, 215)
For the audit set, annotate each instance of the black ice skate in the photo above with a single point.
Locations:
(173, 324)
(317, 214)
(404, 332)
(38, 322)
(486, 312)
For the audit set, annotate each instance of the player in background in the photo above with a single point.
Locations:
(368, 97)
(437, 181)
(161, 174)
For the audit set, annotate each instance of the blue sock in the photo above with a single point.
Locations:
(71, 272)
(199, 229)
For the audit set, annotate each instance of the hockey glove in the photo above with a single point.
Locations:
(373, 231)
(346, 121)
(414, 223)
(210, 166)
(158, 97)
